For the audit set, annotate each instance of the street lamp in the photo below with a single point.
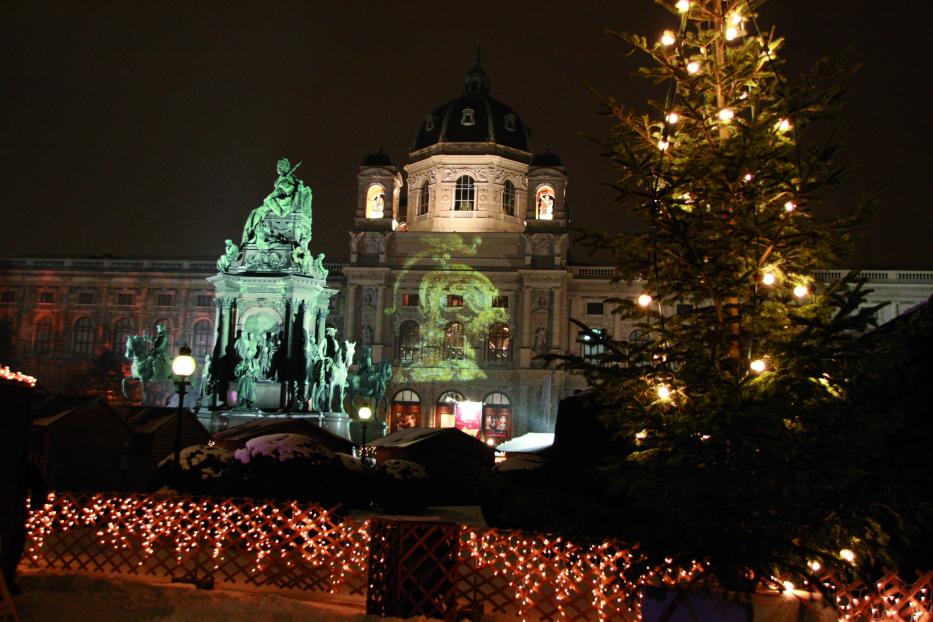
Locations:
(365, 414)
(183, 366)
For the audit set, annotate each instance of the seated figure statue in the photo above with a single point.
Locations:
(289, 195)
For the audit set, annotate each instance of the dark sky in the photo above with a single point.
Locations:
(155, 129)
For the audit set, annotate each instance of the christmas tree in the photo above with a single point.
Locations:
(737, 398)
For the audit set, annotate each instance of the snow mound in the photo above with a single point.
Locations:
(349, 462)
(403, 470)
(284, 447)
(522, 462)
(210, 460)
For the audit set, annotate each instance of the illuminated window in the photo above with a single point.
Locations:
(45, 336)
(508, 198)
(201, 339)
(410, 300)
(497, 416)
(406, 410)
(595, 308)
(424, 199)
(544, 203)
(122, 329)
(454, 341)
(468, 117)
(86, 298)
(499, 345)
(83, 336)
(409, 342)
(454, 300)
(46, 297)
(375, 201)
(465, 194)
(592, 345)
(446, 405)
(164, 300)
(500, 302)
(124, 299)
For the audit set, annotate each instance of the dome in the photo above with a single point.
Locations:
(473, 117)
(377, 159)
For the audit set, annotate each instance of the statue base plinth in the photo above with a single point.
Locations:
(217, 421)
(374, 430)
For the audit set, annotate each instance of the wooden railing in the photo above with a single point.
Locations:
(305, 547)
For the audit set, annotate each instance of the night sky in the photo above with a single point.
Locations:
(155, 129)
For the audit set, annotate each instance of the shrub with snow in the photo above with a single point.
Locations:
(282, 447)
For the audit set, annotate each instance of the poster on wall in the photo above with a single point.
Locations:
(468, 416)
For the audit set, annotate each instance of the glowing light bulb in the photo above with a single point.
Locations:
(731, 33)
(748, 177)
(663, 392)
(847, 555)
(644, 300)
(736, 18)
(693, 67)
(672, 117)
(783, 125)
(683, 5)
(668, 38)
(790, 206)
(814, 565)
(640, 436)
(768, 278)
(663, 145)
(801, 291)
(758, 366)
(726, 115)
(788, 586)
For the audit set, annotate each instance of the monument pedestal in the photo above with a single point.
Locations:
(337, 423)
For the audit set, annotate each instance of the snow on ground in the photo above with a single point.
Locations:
(71, 597)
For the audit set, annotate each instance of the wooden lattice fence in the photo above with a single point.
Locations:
(403, 568)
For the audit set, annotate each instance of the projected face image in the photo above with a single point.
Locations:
(456, 312)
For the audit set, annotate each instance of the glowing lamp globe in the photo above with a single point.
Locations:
(183, 365)
(683, 5)
(644, 300)
(758, 366)
(365, 413)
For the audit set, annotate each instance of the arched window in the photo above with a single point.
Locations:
(375, 201)
(508, 198)
(445, 410)
(465, 194)
(424, 199)
(499, 344)
(497, 416)
(545, 199)
(454, 341)
(406, 410)
(83, 336)
(45, 336)
(201, 337)
(593, 344)
(122, 329)
(409, 342)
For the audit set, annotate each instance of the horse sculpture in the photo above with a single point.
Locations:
(145, 368)
(339, 371)
(371, 380)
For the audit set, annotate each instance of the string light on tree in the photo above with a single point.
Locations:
(801, 291)
(847, 555)
(790, 206)
(693, 67)
(758, 366)
(664, 393)
(672, 118)
(726, 115)
(768, 279)
(668, 38)
(784, 125)
(683, 5)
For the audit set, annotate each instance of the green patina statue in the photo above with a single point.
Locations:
(289, 197)
(229, 258)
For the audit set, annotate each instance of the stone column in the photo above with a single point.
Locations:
(321, 324)
(223, 310)
(526, 315)
(378, 339)
(351, 308)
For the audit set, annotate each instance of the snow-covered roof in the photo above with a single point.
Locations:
(528, 443)
(409, 436)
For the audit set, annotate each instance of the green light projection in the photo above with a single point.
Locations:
(442, 355)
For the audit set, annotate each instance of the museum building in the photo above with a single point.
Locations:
(458, 273)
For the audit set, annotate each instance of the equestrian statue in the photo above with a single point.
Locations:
(371, 381)
(151, 362)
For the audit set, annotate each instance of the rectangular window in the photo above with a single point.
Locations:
(46, 297)
(683, 309)
(453, 300)
(124, 299)
(410, 300)
(205, 300)
(86, 298)
(595, 308)
(593, 344)
(164, 300)
(8, 296)
(500, 302)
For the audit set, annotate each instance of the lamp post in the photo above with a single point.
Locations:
(365, 414)
(183, 366)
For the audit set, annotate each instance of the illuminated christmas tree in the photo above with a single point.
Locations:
(737, 394)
